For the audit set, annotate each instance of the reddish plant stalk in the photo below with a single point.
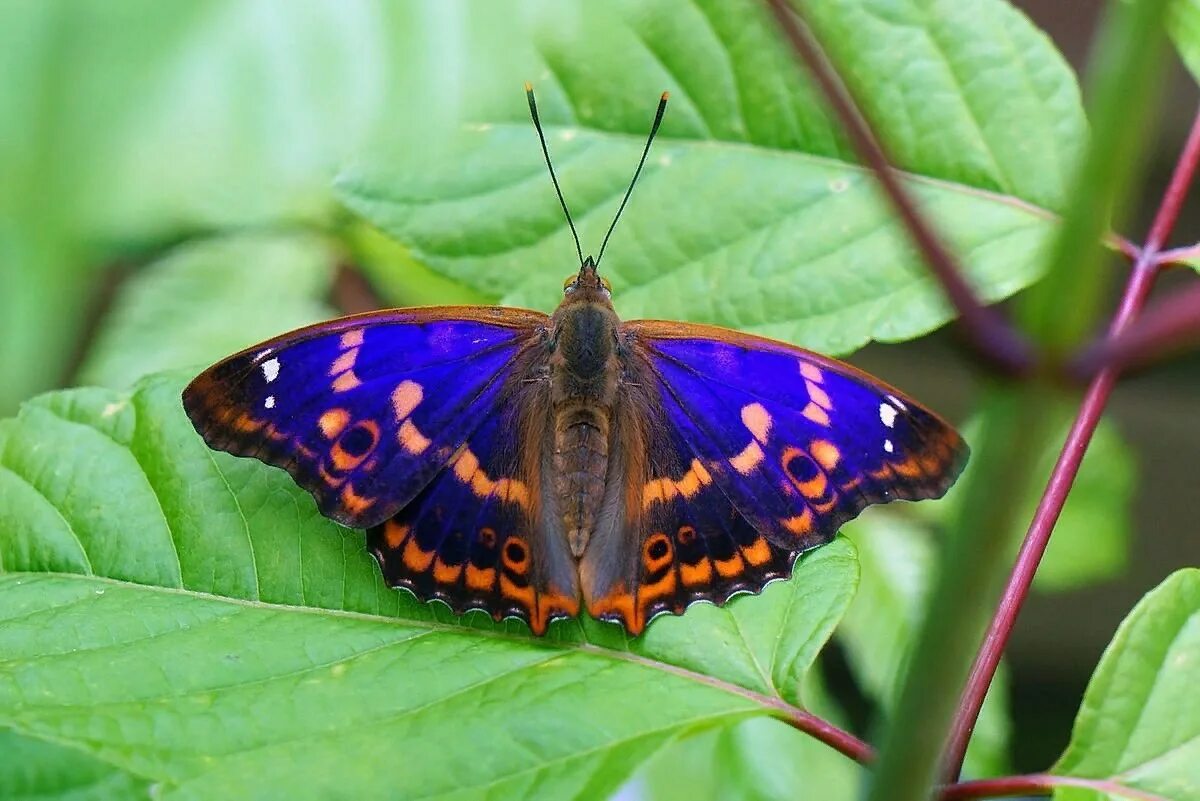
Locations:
(998, 341)
(1179, 255)
(1165, 327)
(1038, 784)
(1067, 466)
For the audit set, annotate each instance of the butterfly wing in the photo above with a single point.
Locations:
(365, 411)
(480, 536)
(425, 426)
(759, 451)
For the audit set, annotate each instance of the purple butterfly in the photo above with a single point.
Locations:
(525, 464)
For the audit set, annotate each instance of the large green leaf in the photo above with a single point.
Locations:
(1138, 730)
(755, 760)
(35, 770)
(751, 212)
(1184, 26)
(183, 626)
(208, 299)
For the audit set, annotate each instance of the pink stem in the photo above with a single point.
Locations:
(1039, 784)
(995, 339)
(1067, 466)
(1179, 255)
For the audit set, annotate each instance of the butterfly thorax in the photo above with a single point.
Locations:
(584, 373)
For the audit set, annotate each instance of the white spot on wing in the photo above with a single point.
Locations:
(887, 414)
(887, 446)
(269, 402)
(899, 404)
(270, 370)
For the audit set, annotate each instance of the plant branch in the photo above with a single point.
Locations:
(991, 335)
(1067, 467)
(1038, 784)
(1180, 256)
(1166, 327)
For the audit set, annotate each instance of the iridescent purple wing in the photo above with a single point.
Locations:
(758, 451)
(365, 411)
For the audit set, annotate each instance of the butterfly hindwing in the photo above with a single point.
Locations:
(477, 537)
(364, 411)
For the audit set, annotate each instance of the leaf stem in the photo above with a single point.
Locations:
(836, 738)
(1067, 467)
(1038, 784)
(1179, 255)
(998, 341)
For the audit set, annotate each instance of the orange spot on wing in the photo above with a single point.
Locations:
(415, 558)
(665, 489)
(750, 458)
(346, 382)
(699, 574)
(355, 503)
(799, 525)
(818, 396)
(758, 552)
(731, 567)
(815, 413)
(811, 372)
(344, 362)
(826, 453)
(352, 338)
(468, 471)
(333, 421)
(247, 424)
(411, 439)
(618, 602)
(446, 574)
(480, 578)
(405, 398)
(758, 420)
(394, 534)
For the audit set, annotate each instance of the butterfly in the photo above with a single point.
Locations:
(536, 466)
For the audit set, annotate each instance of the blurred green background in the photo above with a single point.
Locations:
(160, 159)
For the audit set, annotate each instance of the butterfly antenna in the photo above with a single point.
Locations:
(554, 178)
(662, 108)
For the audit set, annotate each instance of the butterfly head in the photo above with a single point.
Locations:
(587, 281)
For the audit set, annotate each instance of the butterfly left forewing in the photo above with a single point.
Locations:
(363, 411)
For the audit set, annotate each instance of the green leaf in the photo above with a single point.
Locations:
(1184, 26)
(896, 558)
(750, 212)
(35, 770)
(117, 486)
(755, 760)
(208, 299)
(1139, 725)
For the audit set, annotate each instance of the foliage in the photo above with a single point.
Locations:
(179, 622)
